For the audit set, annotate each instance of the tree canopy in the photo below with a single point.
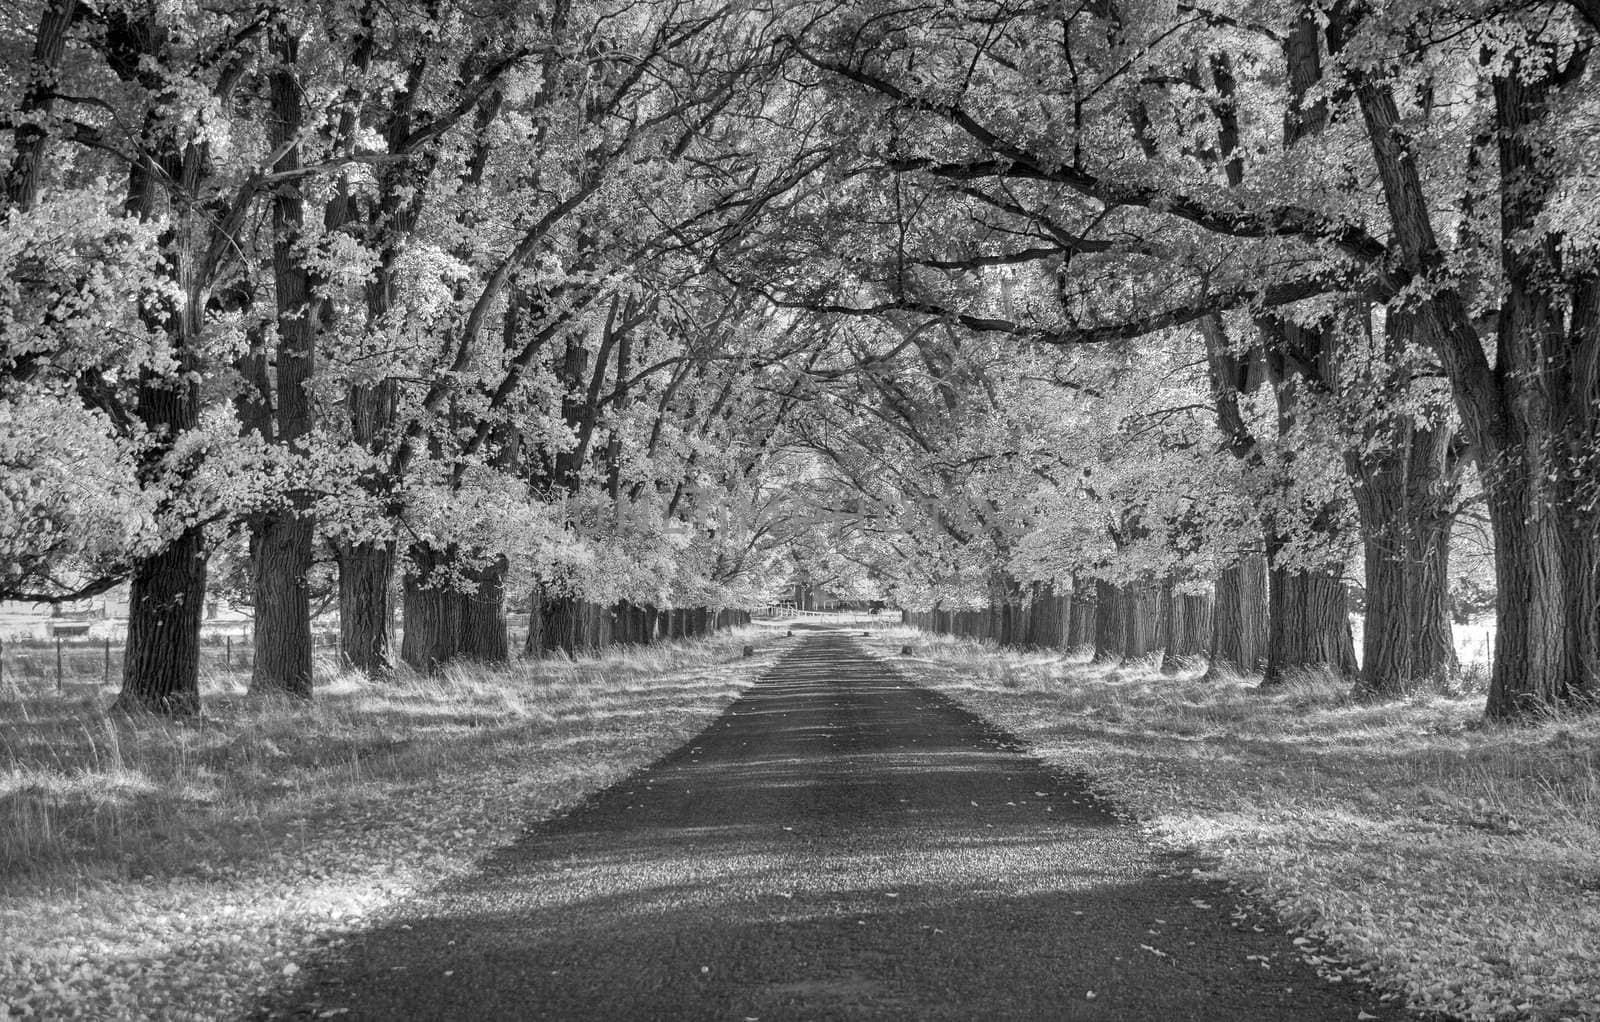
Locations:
(609, 307)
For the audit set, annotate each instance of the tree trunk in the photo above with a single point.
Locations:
(1110, 622)
(366, 618)
(622, 626)
(1404, 500)
(1046, 618)
(534, 644)
(282, 627)
(1539, 610)
(1533, 413)
(1082, 615)
(1309, 625)
(161, 665)
(563, 623)
(431, 608)
(285, 534)
(1239, 618)
(30, 137)
(484, 638)
(1187, 630)
(1141, 617)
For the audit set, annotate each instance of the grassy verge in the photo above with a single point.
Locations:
(1454, 864)
(151, 869)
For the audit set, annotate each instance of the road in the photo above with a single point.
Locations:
(841, 844)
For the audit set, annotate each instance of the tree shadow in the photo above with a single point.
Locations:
(840, 844)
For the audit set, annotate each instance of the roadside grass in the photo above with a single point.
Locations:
(159, 869)
(1450, 862)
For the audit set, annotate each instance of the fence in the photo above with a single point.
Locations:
(62, 661)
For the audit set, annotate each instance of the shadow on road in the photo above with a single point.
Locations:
(840, 844)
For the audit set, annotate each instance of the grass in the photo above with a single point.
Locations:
(175, 870)
(1451, 863)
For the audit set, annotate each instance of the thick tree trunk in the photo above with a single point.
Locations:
(31, 138)
(1110, 622)
(431, 608)
(284, 537)
(1081, 616)
(1404, 498)
(1532, 414)
(443, 620)
(1185, 629)
(563, 624)
(1543, 625)
(161, 665)
(622, 617)
(281, 560)
(534, 644)
(366, 618)
(1141, 621)
(484, 638)
(1239, 618)
(596, 627)
(1308, 625)
(1047, 624)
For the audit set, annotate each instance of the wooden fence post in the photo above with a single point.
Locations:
(105, 676)
(58, 664)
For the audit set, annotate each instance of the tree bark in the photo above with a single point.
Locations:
(1532, 415)
(366, 618)
(484, 638)
(1308, 625)
(534, 644)
(1185, 629)
(161, 665)
(431, 608)
(1404, 497)
(1141, 621)
(563, 624)
(285, 534)
(1047, 624)
(1239, 618)
(281, 560)
(1110, 622)
(38, 97)
(1081, 615)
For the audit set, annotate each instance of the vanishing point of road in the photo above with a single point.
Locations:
(840, 844)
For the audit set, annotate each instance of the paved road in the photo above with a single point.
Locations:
(839, 845)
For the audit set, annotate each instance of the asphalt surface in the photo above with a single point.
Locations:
(839, 845)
